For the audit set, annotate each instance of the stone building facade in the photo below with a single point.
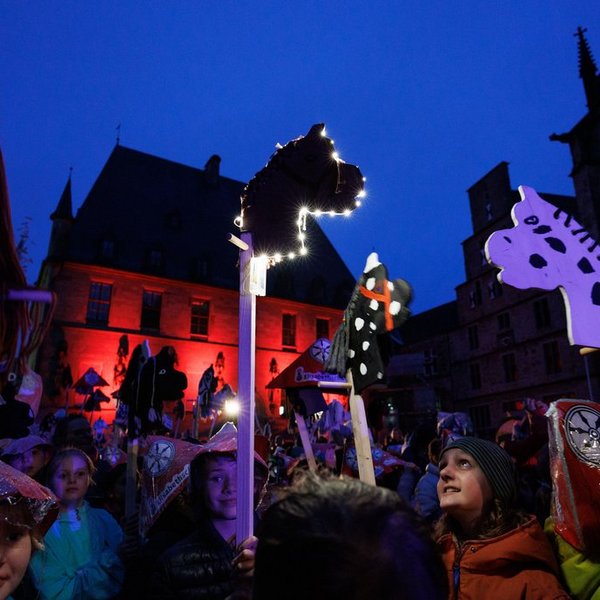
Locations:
(497, 344)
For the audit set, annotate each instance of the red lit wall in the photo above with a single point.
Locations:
(93, 346)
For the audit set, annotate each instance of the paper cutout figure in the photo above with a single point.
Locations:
(377, 305)
(304, 175)
(88, 381)
(548, 249)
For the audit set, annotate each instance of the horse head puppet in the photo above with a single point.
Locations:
(378, 305)
(548, 249)
(304, 177)
(158, 381)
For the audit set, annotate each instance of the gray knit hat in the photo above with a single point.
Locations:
(495, 463)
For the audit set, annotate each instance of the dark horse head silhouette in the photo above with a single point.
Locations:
(304, 177)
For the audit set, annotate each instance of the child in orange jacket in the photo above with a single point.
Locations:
(490, 549)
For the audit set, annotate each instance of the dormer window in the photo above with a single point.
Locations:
(173, 220)
(107, 249)
(489, 211)
(155, 260)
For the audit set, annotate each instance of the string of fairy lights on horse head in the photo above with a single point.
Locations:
(304, 177)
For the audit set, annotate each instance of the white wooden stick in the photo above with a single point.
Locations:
(360, 429)
(246, 378)
(308, 450)
(131, 478)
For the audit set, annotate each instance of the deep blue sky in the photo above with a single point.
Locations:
(425, 97)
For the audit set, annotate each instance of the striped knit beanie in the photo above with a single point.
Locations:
(495, 463)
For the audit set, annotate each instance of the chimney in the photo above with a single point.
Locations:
(211, 170)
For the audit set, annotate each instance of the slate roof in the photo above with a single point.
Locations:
(428, 324)
(168, 219)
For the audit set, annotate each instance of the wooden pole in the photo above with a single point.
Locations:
(131, 478)
(246, 378)
(360, 429)
(585, 352)
(308, 450)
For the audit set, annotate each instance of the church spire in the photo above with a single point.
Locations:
(588, 71)
(62, 221)
(64, 208)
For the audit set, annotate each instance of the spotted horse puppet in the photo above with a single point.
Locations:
(378, 305)
(548, 249)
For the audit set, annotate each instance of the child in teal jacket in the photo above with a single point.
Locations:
(80, 558)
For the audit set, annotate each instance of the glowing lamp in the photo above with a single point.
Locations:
(231, 408)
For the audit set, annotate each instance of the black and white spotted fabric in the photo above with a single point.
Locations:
(378, 305)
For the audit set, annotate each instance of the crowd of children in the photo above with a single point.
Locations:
(457, 527)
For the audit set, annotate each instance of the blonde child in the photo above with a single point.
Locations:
(490, 549)
(80, 558)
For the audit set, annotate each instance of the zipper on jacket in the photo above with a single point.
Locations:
(456, 569)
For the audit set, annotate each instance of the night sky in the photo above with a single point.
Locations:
(426, 97)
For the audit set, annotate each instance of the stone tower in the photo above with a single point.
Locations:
(584, 142)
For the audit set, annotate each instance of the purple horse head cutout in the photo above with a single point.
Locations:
(548, 249)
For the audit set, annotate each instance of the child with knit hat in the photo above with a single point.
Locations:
(490, 548)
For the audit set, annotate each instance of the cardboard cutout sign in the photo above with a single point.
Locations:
(548, 249)
(165, 474)
(308, 370)
(575, 465)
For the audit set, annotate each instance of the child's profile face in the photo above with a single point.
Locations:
(220, 490)
(32, 461)
(462, 488)
(15, 552)
(71, 481)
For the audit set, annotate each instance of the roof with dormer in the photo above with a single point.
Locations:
(147, 214)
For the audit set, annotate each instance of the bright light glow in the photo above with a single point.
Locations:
(324, 132)
(277, 257)
(332, 213)
(317, 213)
(362, 194)
(358, 203)
(281, 410)
(335, 156)
(301, 236)
(303, 251)
(347, 212)
(231, 407)
(292, 255)
(364, 179)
